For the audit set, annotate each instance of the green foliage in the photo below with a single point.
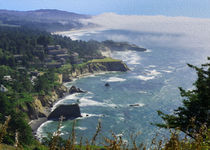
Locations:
(43, 40)
(196, 105)
(46, 82)
(80, 66)
(67, 68)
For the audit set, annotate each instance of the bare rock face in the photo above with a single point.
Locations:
(67, 111)
(74, 89)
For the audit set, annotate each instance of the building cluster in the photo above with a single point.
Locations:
(58, 56)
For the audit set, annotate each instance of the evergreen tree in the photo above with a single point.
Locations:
(195, 111)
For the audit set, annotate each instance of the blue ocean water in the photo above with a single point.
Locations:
(152, 83)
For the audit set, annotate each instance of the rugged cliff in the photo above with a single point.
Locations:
(96, 66)
(40, 106)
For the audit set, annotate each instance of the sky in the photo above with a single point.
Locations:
(189, 8)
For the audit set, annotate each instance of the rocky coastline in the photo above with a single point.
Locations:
(95, 68)
(39, 110)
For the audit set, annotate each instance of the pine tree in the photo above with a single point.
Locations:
(195, 111)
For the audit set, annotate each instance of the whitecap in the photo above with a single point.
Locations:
(88, 115)
(121, 118)
(152, 72)
(142, 92)
(115, 79)
(81, 128)
(148, 51)
(130, 57)
(145, 78)
(151, 66)
(167, 71)
(87, 101)
(72, 96)
(119, 135)
(62, 101)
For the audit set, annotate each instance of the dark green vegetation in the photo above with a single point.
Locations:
(23, 53)
(29, 48)
(20, 93)
(195, 111)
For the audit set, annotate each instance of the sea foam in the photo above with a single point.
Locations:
(87, 101)
(130, 57)
(40, 132)
(151, 74)
(62, 101)
(114, 79)
(145, 78)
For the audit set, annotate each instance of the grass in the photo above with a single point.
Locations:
(108, 59)
(24, 97)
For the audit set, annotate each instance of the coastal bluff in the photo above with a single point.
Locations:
(96, 66)
(40, 106)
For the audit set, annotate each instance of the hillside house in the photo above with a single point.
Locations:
(7, 78)
(3, 88)
(74, 58)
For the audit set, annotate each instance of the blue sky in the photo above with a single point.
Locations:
(190, 8)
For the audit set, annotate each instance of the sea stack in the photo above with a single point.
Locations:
(74, 89)
(67, 111)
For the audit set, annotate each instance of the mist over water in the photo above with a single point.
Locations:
(152, 82)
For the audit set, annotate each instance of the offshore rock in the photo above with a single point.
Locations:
(67, 111)
(107, 84)
(74, 89)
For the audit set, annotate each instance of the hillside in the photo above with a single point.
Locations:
(44, 19)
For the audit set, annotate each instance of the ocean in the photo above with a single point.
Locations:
(152, 83)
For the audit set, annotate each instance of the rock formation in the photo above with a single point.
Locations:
(96, 67)
(107, 84)
(40, 105)
(134, 105)
(74, 89)
(67, 111)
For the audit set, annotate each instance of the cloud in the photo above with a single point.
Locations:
(193, 30)
(158, 30)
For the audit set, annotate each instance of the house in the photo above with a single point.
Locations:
(52, 47)
(53, 65)
(7, 78)
(74, 57)
(65, 56)
(56, 52)
(3, 88)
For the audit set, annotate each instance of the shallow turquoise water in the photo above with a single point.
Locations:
(152, 83)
